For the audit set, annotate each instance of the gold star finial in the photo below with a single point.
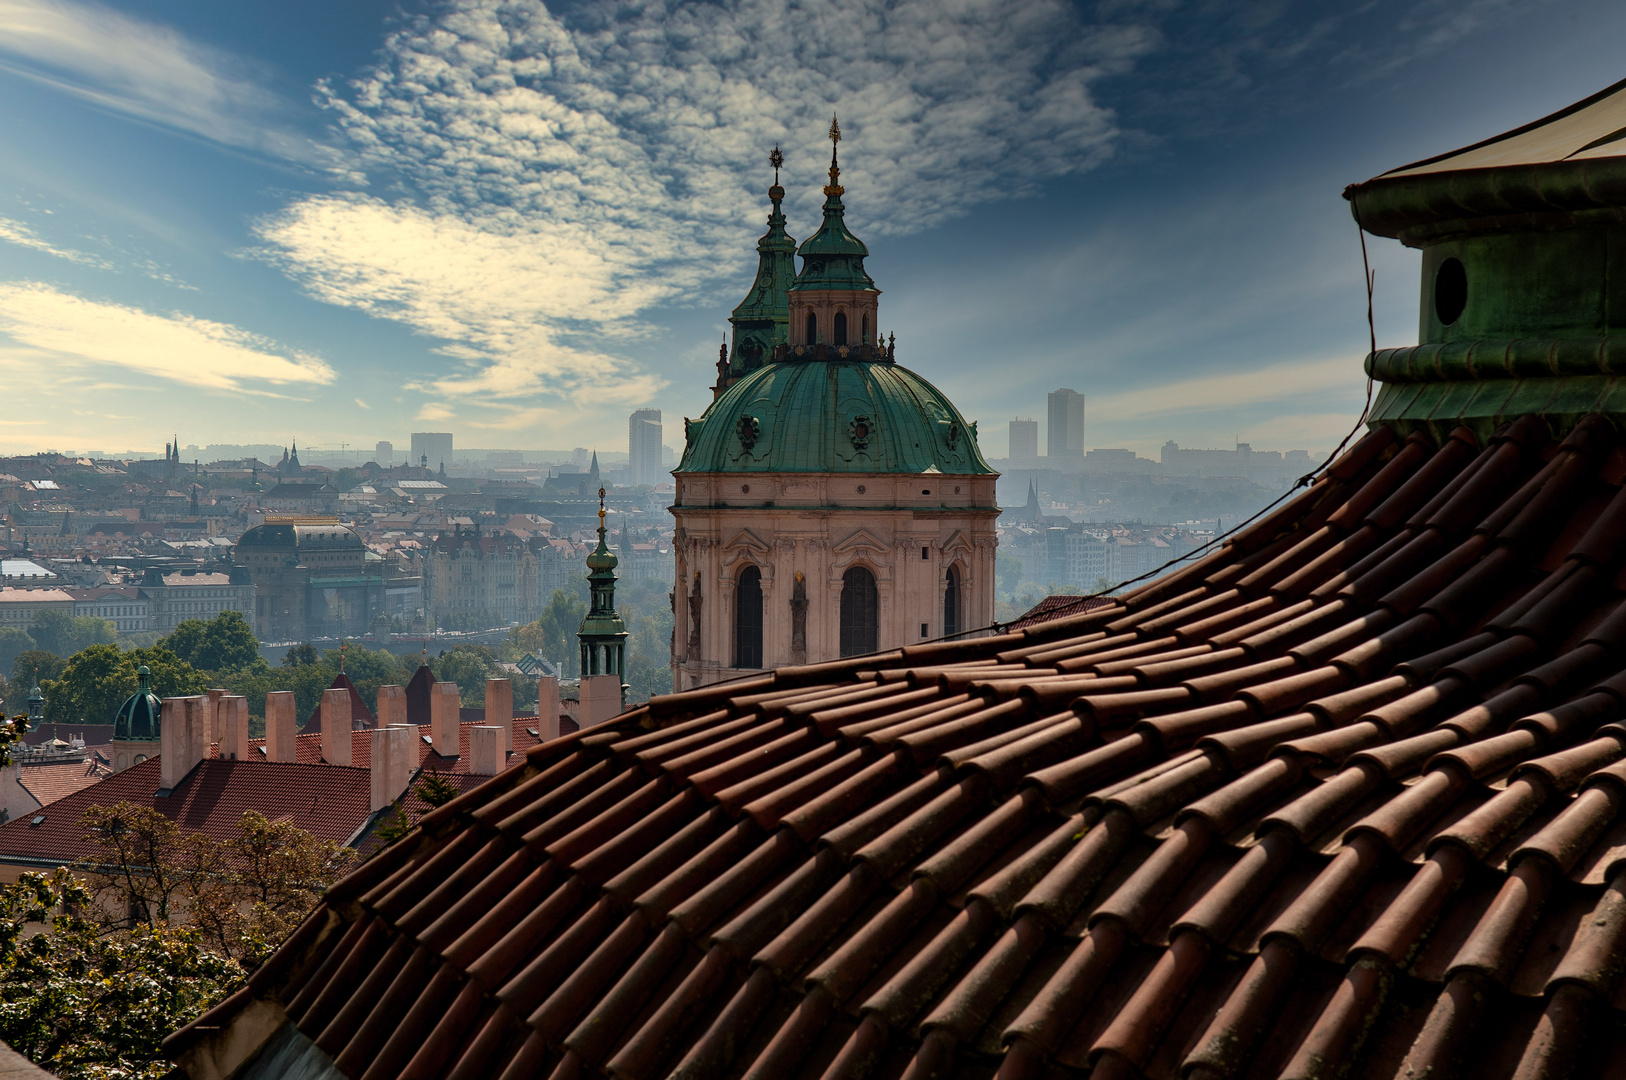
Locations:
(601, 508)
(834, 186)
(776, 158)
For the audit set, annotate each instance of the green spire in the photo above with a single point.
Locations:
(603, 634)
(763, 318)
(833, 258)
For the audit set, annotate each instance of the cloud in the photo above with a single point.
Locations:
(141, 69)
(561, 176)
(15, 232)
(1330, 377)
(69, 332)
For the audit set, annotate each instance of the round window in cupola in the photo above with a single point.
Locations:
(1450, 291)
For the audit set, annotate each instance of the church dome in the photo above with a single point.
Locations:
(832, 415)
(137, 718)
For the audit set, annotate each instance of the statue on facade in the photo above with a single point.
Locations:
(695, 601)
(798, 621)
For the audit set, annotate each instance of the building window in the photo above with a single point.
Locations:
(841, 328)
(748, 619)
(860, 610)
(951, 603)
(864, 323)
(812, 329)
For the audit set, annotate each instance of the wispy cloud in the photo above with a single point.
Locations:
(70, 333)
(15, 232)
(1320, 378)
(141, 69)
(566, 175)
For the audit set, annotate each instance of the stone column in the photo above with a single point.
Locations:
(336, 741)
(280, 726)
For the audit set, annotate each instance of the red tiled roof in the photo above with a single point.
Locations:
(48, 783)
(1054, 607)
(308, 747)
(1347, 793)
(329, 801)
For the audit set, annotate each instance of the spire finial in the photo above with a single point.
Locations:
(834, 186)
(600, 510)
(776, 158)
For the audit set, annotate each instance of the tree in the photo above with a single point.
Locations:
(300, 655)
(468, 666)
(13, 643)
(88, 1004)
(1008, 568)
(63, 634)
(97, 680)
(36, 667)
(219, 644)
(560, 621)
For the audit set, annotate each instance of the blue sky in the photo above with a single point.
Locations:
(518, 222)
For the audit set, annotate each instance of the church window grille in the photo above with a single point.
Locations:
(860, 612)
(748, 619)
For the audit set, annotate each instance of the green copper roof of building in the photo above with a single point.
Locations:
(138, 718)
(833, 415)
(762, 319)
(833, 258)
(1523, 301)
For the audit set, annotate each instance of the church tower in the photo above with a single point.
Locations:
(830, 502)
(603, 634)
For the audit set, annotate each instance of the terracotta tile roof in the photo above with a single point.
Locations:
(330, 801)
(308, 747)
(48, 783)
(1349, 792)
(1054, 607)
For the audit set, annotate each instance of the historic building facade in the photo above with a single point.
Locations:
(830, 502)
(312, 577)
(474, 572)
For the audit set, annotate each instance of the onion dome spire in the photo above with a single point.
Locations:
(603, 633)
(762, 319)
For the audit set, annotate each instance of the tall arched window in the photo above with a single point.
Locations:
(840, 334)
(863, 324)
(860, 612)
(748, 619)
(812, 329)
(951, 602)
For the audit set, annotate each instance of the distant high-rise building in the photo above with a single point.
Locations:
(644, 447)
(1024, 440)
(384, 454)
(436, 446)
(1065, 438)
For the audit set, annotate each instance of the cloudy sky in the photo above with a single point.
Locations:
(517, 221)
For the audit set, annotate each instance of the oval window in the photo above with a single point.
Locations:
(1450, 291)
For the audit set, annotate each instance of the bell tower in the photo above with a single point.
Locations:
(833, 301)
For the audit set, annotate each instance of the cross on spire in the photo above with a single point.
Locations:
(776, 158)
(834, 186)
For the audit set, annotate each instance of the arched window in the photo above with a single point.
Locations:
(864, 330)
(860, 612)
(951, 603)
(812, 329)
(841, 328)
(748, 619)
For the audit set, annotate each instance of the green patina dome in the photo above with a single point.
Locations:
(137, 718)
(832, 415)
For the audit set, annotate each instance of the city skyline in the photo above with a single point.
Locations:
(224, 222)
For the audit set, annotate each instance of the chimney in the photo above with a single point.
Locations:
(547, 707)
(279, 726)
(214, 715)
(500, 710)
(444, 717)
(183, 728)
(486, 756)
(405, 762)
(336, 741)
(391, 746)
(392, 706)
(231, 714)
(601, 699)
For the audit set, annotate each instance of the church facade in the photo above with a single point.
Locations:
(830, 502)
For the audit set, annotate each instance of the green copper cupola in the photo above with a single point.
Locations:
(603, 634)
(762, 320)
(833, 301)
(1523, 298)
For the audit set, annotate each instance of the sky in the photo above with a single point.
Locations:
(339, 223)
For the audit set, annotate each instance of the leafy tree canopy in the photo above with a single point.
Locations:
(96, 681)
(36, 666)
(63, 634)
(468, 666)
(13, 643)
(220, 644)
(302, 655)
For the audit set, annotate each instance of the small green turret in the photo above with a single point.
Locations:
(603, 634)
(762, 319)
